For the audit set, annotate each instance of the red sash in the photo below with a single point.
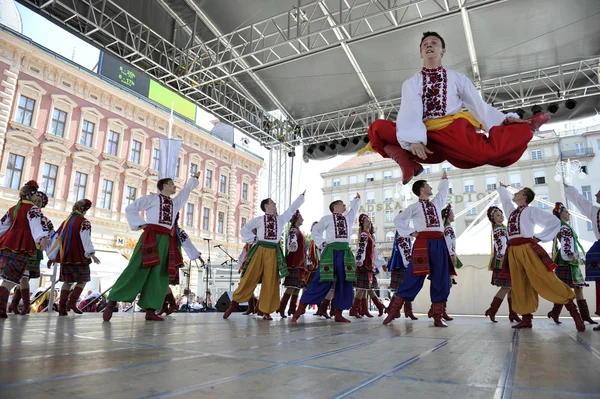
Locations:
(539, 251)
(420, 256)
(150, 256)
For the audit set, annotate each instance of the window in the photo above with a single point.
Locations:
(541, 205)
(586, 191)
(244, 221)
(193, 168)
(446, 167)
(389, 215)
(370, 177)
(131, 194)
(223, 184)
(469, 186)
(245, 191)
(471, 211)
(178, 167)
(352, 180)
(388, 194)
(87, 133)
(387, 175)
(155, 158)
(106, 194)
(536, 154)
(59, 120)
(389, 236)
(80, 185)
(371, 215)
(515, 180)
(220, 222)
(25, 110)
(208, 179)
(49, 179)
(205, 219)
(450, 190)
(539, 177)
(490, 183)
(370, 197)
(579, 149)
(136, 151)
(14, 171)
(427, 171)
(189, 215)
(112, 146)
(336, 182)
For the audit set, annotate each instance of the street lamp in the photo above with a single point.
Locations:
(566, 171)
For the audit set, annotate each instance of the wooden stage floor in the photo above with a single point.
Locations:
(202, 355)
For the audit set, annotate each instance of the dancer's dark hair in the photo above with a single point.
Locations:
(417, 186)
(333, 204)
(428, 33)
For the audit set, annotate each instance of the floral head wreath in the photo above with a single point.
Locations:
(558, 208)
(295, 217)
(87, 204)
(491, 212)
(44, 198)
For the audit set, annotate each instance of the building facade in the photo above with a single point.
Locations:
(80, 137)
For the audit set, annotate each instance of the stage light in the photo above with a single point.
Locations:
(333, 144)
(355, 140)
(570, 104)
(366, 139)
(292, 154)
(344, 142)
(322, 148)
(553, 108)
(311, 149)
(520, 112)
(536, 109)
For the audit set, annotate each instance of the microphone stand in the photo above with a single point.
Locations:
(231, 260)
(207, 268)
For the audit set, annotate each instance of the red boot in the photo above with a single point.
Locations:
(293, 304)
(299, 312)
(165, 307)
(282, 305)
(251, 303)
(26, 301)
(406, 160)
(356, 305)
(430, 312)
(364, 302)
(537, 120)
(108, 310)
(172, 303)
(257, 308)
(526, 323)
(555, 313)
(322, 309)
(512, 315)
(494, 306)
(339, 318)
(62, 303)
(438, 312)
(267, 316)
(408, 312)
(3, 302)
(585, 311)
(232, 308)
(14, 304)
(444, 314)
(152, 316)
(72, 303)
(572, 308)
(378, 305)
(394, 309)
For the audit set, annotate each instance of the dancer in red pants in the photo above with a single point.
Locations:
(430, 127)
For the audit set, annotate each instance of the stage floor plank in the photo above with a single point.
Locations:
(202, 355)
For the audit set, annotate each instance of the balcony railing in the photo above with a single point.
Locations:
(580, 152)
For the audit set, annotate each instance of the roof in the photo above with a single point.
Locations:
(366, 159)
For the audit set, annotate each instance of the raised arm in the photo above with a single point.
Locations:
(505, 199)
(402, 220)
(549, 223)
(440, 198)
(246, 231)
(181, 198)
(132, 211)
(584, 205)
(409, 122)
(354, 207)
(287, 215)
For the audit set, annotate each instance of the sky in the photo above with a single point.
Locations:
(69, 46)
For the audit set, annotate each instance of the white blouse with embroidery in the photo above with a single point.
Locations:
(586, 207)
(188, 246)
(522, 220)
(361, 252)
(426, 215)
(160, 209)
(435, 93)
(500, 241)
(567, 243)
(336, 227)
(450, 240)
(269, 227)
(292, 245)
(34, 217)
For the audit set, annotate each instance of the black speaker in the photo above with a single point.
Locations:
(225, 300)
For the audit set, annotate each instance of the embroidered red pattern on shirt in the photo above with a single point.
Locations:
(404, 246)
(44, 223)
(6, 217)
(183, 236)
(270, 224)
(435, 92)
(165, 213)
(498, 242)
(362, 245)
(566, 237)
(449, 232)
(340, 227)
(86, 225)
(34, 213)
(514, 221)
(431, 214)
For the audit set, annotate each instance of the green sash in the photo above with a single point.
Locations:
(283, 271)
(326, 262)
